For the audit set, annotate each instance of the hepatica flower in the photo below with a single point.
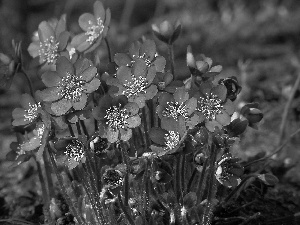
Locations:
(52, 39)
(95, 27)
(68, 87)
(116, 118)
(213, 107)
(28, 113)
(176, 107)
(229, 171)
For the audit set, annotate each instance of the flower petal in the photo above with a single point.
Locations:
(148, 48)
(61, 107)
(81, 65)
(211, 124)
(157, 135)
(159, 63)
(133, 121)
(122, 59)
(134, 49)
(139, 100)
(49, 94)
(191, 105)
(132, 108)
(63, 39)
(139, 68)
(125, 134)
(99, 10)
(124, 74)
(27, 100)
(181, 95)
(45, 31)
(77, 41)
(51, 78)
(169, 124)
(112, 136)
(219, 91)
(151, 92)
(86, 20)
(89, 73)
(61, 25)
(151, 74)
(64, 66)
(78, 105)
(92, 86)
(33, 49)
(223, 118)
(229, 107)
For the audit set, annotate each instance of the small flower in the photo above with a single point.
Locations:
(116, 118)
(141, 57)
(71, 151)
(99, 145)
(213, 108)
(113, 178)
(69, 86)
(167, 32)
(95, 27)
(28, 113)
(52, 39)
(229, 171)
(175, 108)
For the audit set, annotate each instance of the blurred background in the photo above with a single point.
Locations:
(256, 41)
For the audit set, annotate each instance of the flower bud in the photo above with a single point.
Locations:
(233, 88)
(167, 32)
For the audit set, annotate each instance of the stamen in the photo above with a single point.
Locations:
(75, 150)
(48, 50)
(174, 110)
(210, 106)
(94, 31)
(172, 140)
(32, 112)
(72, 87)
(135, 87)
(145, 58)
(116, 117)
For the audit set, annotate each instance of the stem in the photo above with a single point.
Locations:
(65, 193)
(126, 185)
(171, 57)
(78, 128)
(48, 170)
(71, 130)
(128, 217)
(110, 58)
(145, 123)
(200, 186)
(127, 12)
(28, 81)
(85, 131)
(287, 107)
(191, 180)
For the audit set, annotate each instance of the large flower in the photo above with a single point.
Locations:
(213, 107)
(116, 118)
(134, 84)
(69, 85)
(176, 107)
(28, 113)
(142, 56)
(52, 39)
(95, 27)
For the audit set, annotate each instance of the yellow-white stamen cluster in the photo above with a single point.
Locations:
(75, 150)
(175, 109)
(116, 117)
(48, 50)
(94, 31)
(135, 87)
(210, 106)
(71, 87)
(32, 112)
(172, 140)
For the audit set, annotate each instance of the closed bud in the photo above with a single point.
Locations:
(233, 88)
(167, 32)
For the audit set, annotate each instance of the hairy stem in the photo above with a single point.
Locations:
(171, 57)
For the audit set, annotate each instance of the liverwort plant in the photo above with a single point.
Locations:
(134, 146)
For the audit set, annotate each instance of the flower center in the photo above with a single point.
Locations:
(210, 106)
(72, 87)
(32, 112)
(135, 87)
(75, 150)
(40, 130)
(48, 50)
(94, 31)
(113, 177)
(174, 110)
(172, 140)
(116, 117)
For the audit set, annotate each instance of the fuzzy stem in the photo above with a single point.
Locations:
(78, 128)
(28, 81)
(85, 131)
(126, 185)
(110, 58)
(171, 57)
(65, 193)
(145, 123)
(48, 174)
(191, 180)
(71, 130)
(201, 183)
(127, 215)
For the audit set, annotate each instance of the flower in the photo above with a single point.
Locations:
(229, 171)
(113, 178)
(71, 151)
(68, 87)
(167, 32)
(166, 141)
(176, 107)
(233, 87)
(116, 118)
(52, 39)
(141, 57)
(28, 113)
(95, 27)
(213, 107)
